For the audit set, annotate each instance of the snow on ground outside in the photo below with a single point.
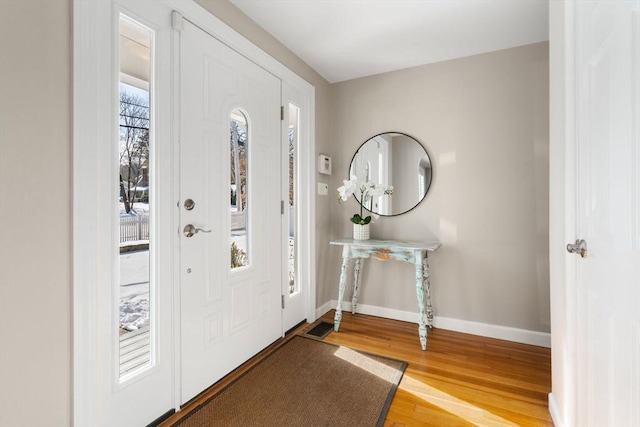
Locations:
(136, 208)
(134, 278)
(134, 290)
(134, 281)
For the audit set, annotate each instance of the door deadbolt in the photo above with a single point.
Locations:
(189, 204)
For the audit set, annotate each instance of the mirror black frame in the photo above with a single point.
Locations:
(418, 162)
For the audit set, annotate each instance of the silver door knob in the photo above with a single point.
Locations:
(189, 230)
(579, 247)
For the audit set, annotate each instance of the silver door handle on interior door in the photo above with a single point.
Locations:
(579, 247)
(190, 230)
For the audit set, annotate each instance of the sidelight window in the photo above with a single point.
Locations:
(293, 141)
(135, 191)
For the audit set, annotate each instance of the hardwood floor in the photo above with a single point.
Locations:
(461, 380)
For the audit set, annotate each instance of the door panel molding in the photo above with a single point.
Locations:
(301, 93)
(245, 329)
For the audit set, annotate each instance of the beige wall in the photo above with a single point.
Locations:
(484, 122)
(35, 213)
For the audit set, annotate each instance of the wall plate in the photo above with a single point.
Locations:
(324, 164)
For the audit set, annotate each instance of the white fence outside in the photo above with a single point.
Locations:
(238, 220)
(134, 228)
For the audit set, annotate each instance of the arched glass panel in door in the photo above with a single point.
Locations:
(238, 189)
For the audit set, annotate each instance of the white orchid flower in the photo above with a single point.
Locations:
(367, 190)
(347, 189)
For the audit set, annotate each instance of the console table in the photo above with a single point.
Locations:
(410, 252)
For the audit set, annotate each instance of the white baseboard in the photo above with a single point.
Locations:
(555, 413)
(324, 308)
(524, 336)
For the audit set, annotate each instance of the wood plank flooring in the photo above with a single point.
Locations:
(461, 380)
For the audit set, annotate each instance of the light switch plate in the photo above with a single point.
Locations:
(323, 189)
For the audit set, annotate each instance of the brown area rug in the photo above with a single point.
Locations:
(306, 382)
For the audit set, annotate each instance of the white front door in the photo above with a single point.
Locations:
(608, 212)
(232, 198)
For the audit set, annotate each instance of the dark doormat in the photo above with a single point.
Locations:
(306, 382)
(320, 330)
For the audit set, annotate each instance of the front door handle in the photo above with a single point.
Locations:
(190, 230)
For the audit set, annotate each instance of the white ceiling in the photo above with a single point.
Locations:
(347, 39)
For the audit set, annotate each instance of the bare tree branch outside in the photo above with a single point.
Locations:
(134, 147)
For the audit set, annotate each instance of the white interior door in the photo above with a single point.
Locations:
(227, 314)
(608, 212)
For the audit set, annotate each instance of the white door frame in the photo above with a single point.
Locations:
(94, 39)
(562, 211)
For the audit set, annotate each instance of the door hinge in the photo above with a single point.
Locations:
(281, 207)
(282, 112)
(282, 301)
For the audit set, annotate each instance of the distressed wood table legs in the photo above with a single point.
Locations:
(410, 252)
(356, 285)
(343, 280)
(422, 319)
(427, 289)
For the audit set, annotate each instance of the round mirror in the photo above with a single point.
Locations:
(393, 159)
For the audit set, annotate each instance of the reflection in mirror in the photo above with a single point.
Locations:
(393, 159)
(424, 176)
